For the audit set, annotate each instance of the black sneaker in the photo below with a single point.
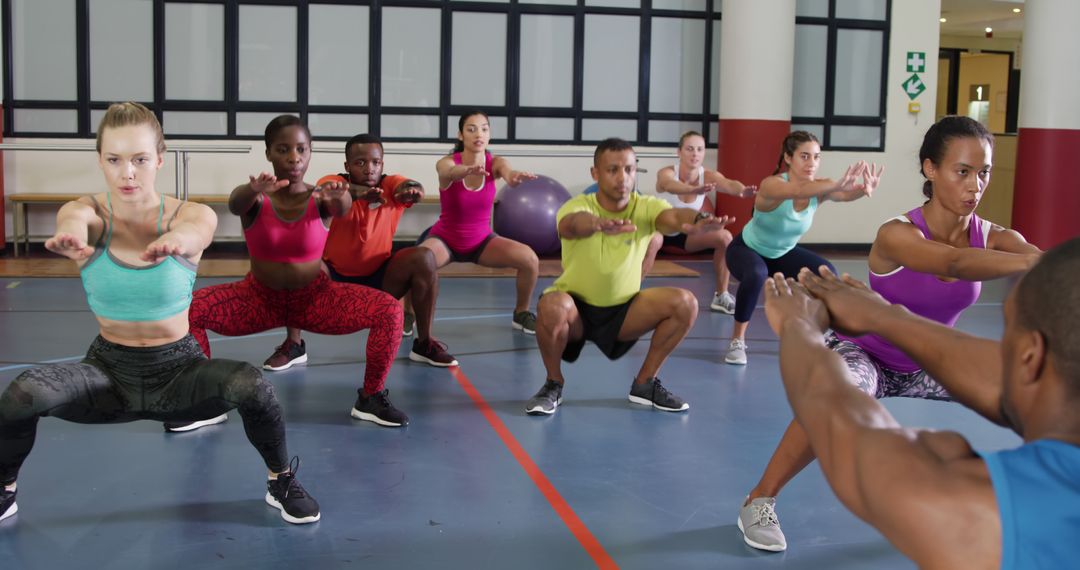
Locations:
(286, 355)
(176, 427)
(525, 321)
(652, 393)
(8, 507)
(431, 352)
(377, 408)
(546, 400)
(288, 496)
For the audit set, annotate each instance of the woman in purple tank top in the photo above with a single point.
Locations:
(467, 193)
(931, 260)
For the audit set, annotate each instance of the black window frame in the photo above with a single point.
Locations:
(831, 119)
(231, 105)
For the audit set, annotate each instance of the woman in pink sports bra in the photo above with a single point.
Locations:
(467, 192)
(286, 222)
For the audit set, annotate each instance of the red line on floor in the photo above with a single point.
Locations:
(577, 528)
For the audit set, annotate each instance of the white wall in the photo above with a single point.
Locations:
(914, 28)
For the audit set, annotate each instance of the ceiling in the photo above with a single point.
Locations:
(972, 17)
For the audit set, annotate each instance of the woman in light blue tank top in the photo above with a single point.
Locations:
(137, 251)
(783, 211)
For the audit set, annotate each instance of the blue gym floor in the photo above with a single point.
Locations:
(649, 489)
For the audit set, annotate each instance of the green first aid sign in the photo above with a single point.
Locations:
(916, 61)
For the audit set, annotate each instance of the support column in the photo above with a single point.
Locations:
(1046, 202)
(757, 58)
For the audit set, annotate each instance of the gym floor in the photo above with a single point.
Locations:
(472, 481)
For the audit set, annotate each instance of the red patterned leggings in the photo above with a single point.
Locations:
(323, 307)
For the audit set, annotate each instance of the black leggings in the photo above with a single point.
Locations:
(117, 383)
(751, 269)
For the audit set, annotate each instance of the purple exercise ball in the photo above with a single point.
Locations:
(526, 213)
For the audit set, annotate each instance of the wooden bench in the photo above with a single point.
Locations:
(24, 200)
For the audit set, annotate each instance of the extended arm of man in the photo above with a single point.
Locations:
(924, 491)
(967, 366)
(687, 221)
(578, 225)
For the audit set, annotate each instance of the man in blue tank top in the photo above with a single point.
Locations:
(941, 503)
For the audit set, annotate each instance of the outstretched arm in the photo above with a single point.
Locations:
(901, 481)
(191, 233)
(450, 172)
(334, 197)
(580, 225)
(244, 196)
(74, 222)
(729, 186)
(667, 182)
(500, 168)
(687, 221)
(871, 177)
(775, 189)
(974, 380)
(902, 244)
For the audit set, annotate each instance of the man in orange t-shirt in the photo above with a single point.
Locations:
(359, 248)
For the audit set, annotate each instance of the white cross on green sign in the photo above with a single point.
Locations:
(916, 61)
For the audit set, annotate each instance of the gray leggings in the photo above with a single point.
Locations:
(117, 383)
(880, 382)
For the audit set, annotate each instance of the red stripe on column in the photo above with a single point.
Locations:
(1046, 199)
(747, 151)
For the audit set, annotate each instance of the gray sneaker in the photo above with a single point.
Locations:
(760, 527)
(736, 352)
(654, 394)
(525, 321)
(723, 303)
(546, 400)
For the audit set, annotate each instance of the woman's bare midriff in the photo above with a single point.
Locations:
(284, 276)
(145, 333)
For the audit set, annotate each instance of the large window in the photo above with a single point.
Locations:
(546, 71)
(841, 97)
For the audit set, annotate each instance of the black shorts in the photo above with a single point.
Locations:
(471, 256)
(677, 240)
(602, 325)
(374, 280)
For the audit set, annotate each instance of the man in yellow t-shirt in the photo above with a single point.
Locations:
(598, 297)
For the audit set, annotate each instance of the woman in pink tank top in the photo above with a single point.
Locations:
(286, 223)
(467, 193)
(930, 260)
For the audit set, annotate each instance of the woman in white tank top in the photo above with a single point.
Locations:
(685, 185)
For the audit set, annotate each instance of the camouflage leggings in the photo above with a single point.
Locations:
(880, 382)
(117, 383)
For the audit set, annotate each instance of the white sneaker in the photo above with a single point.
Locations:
(177, 427)
(723, 303)
(736, 352)
(760, 527)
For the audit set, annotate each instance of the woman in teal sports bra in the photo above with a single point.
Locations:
(783, 211)
(137, 251)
